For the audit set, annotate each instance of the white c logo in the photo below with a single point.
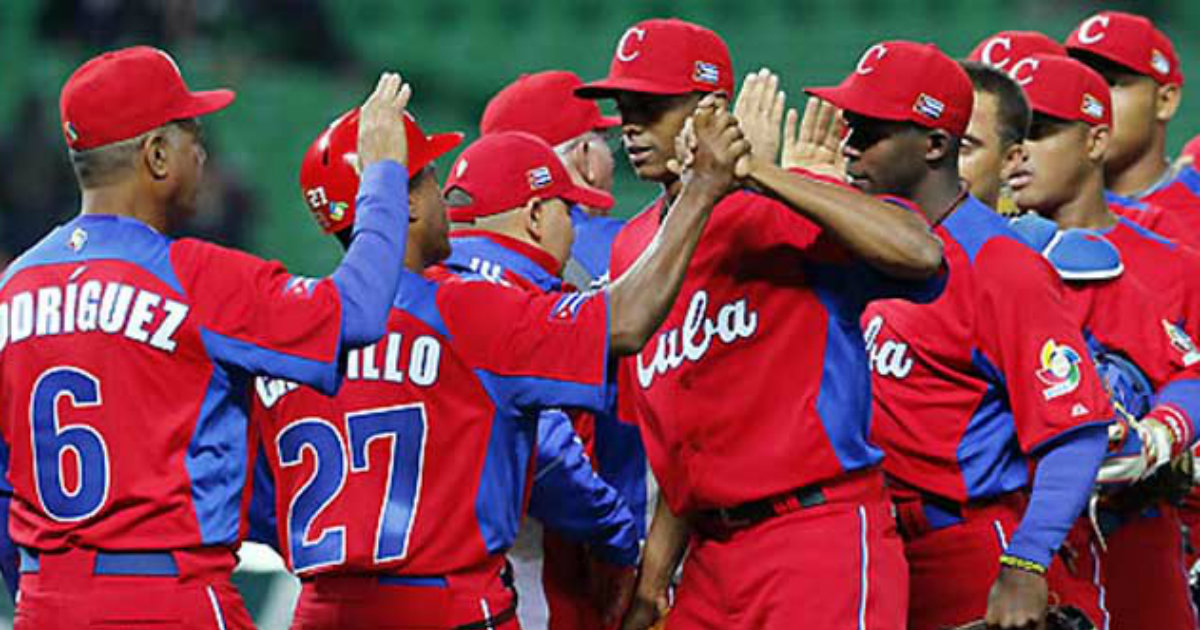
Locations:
(997, 42)
(1028, 62)
(1086, 35)
(874, 53)
(621, 45)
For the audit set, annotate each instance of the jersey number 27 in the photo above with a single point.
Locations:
(404, 426)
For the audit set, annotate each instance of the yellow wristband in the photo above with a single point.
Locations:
(1022, 564)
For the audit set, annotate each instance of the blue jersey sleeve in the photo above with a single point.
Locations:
(569, 498)
(1061, 488)
(261, 514)
(9, 561)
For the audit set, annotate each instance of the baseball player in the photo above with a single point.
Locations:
(769, 312)
(528, 248)
(1144, 75)
(1146, 315)
(998, 124)
(434, 424)
(999, 106)
(971, 388)
(123, 352)
(544, 104)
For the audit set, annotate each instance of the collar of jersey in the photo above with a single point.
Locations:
(528, 261)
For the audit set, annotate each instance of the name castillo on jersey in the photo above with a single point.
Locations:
(886, 358)
(110, 307)
(389, 361)
(734, 320)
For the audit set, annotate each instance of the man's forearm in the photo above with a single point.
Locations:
(665, 544)
(889, 238)
(640, 299)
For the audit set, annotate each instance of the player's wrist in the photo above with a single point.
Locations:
(1022, 564)
(1173, 424)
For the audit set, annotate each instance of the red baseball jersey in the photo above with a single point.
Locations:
(1150, 314)
(756, 383)
(966, 386)
(421, 464)
(124, 357)
(1171, 209)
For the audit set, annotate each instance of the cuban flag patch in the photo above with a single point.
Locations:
(540, 178)
(300, 287)
(706, 72)
(567, 307)
(929, 107)
(1092, 107)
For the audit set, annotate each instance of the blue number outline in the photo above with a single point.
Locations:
(338, 532)
(59, 432)
(397, 444)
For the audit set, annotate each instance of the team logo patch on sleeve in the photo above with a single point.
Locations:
(1182, 342)
(706, 72)
(568, 306)
(1060, 369)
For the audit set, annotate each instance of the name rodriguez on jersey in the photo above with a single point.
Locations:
(111, 307)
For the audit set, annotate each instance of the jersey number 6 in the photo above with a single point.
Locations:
(405, 427)
(51, 440)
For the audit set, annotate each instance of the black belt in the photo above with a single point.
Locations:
(754, 512)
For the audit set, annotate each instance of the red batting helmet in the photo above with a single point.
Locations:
(329, 172)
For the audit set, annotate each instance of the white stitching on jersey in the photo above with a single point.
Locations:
(487, 613)
(1099, 586)
(212, 598)
(866, 562)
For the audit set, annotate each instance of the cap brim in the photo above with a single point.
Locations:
(206, 102)
(589, 197)
(608, 88)
(607, 122)
(438, 144)
(848, 100)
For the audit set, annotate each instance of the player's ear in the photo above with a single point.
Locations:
(156, 153)
(533, 213)
(1166, 102)
(1097, 142)
(939, 145)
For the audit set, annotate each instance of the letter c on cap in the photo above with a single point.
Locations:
(997, 42)
(1086, 35)
(1025, 78)
(874, 53)
(624, 43)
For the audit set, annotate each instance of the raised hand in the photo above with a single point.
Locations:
(381, 122)
(759, 110)
(718, 150)
(815, 142)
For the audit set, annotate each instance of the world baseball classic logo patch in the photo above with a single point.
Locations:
(1060, 369)
(1182, 342)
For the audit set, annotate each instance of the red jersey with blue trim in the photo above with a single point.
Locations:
(420, 465)
(124, 357)
(1171, 209)
(966, 386)
(756, 383)
(1150, 314)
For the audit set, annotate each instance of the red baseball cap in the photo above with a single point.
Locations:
(505, 170)
(666, 57)
(900, 80)
(545, 105)
(1131, 41)
(124, 93)
(1065, 88)
(1010, 51)
(329, 176)
(1192, 149)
